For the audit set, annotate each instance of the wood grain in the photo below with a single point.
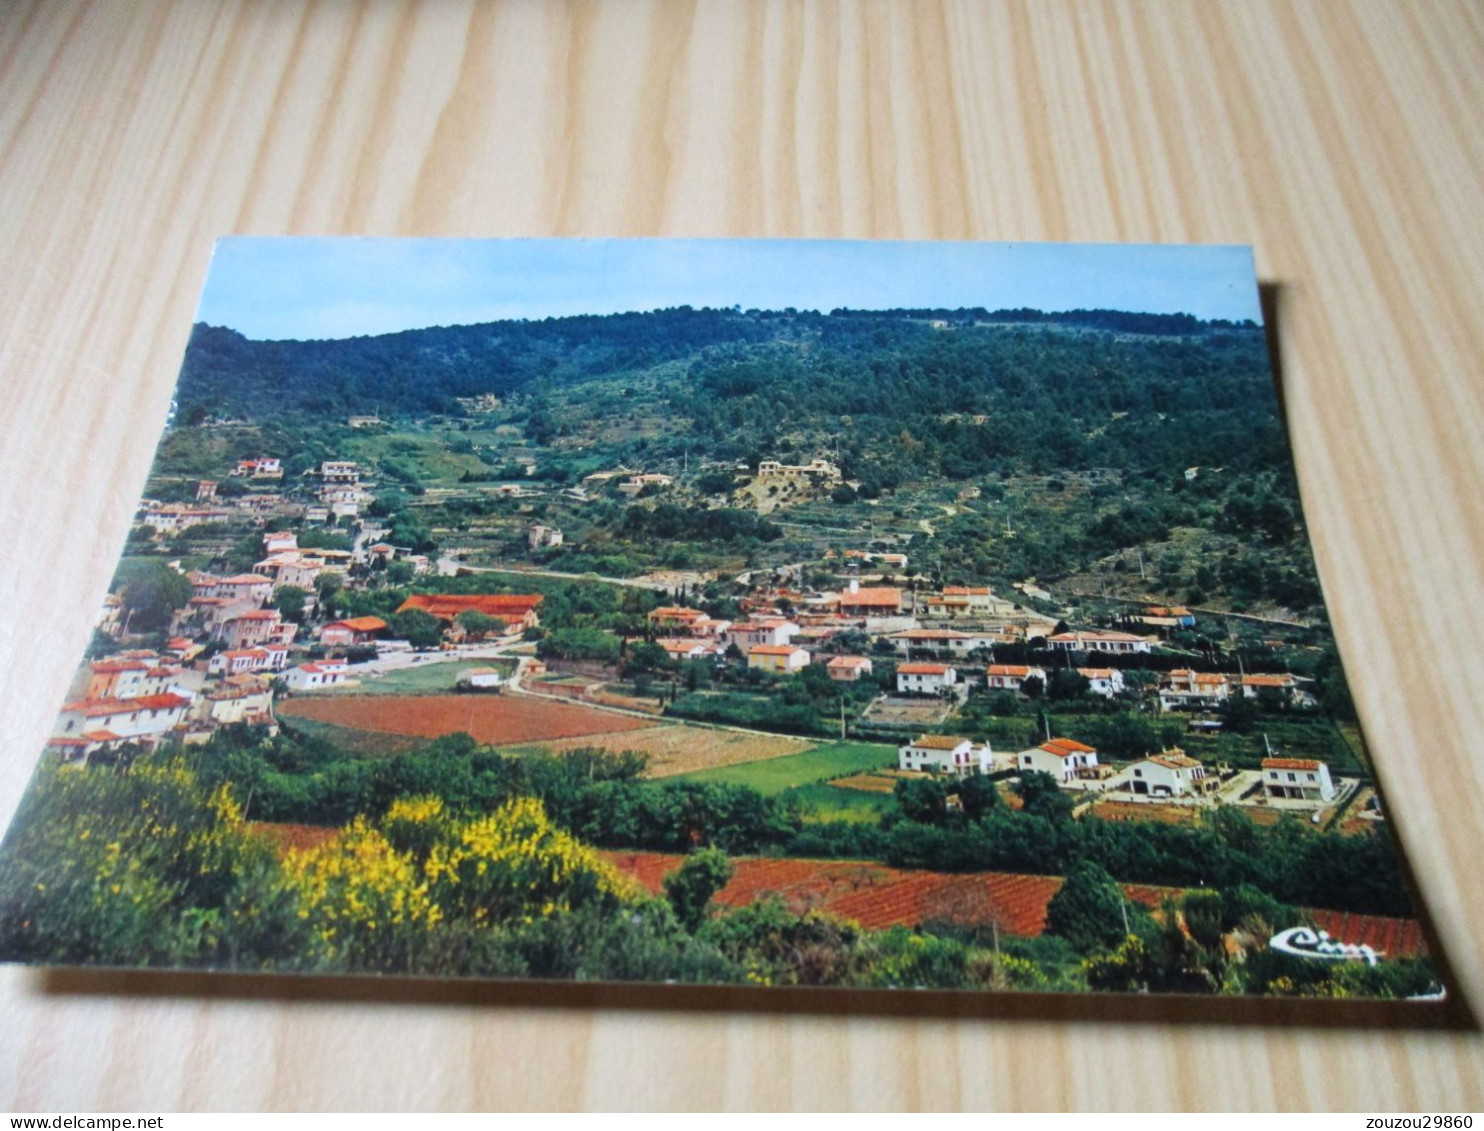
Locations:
(1339, 138)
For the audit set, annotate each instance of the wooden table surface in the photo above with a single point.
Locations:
(1341, 139)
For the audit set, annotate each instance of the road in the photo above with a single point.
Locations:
(448, 566)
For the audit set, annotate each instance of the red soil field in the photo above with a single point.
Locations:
(876, 897)
(497, 720)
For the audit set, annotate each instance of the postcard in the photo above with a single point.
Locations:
(853, 614)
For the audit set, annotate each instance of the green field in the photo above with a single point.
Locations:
(365, 743)
(774, 775)
(434, 677)
(823, 803)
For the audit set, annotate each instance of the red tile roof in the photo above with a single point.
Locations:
(1291, 764)
(98, 708)
(1066, 747)
(359, 624)
(446, 606)
(924, 669)
(938, 741)
(774, 650)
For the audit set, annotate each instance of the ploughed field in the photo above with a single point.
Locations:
(492, 720)
(673, 750)
(876, 897)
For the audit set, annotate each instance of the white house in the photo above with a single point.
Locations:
(237, 699)
(1285, 686)
(1011, 677)
(1106, 682)
(1171, 773)
(945, 754)
(1297, 778)
(747, 635)
(480, 679)
(925, 679)
(1120, 643)
(1062, 758)
(270, 658)
(1184, 689)
(147, 718)
(316, 676)
(940, 640)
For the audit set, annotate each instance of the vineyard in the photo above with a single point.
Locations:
(877, 897)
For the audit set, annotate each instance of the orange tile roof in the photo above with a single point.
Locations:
(872, 597)
(1009, 669)
(1291, 764)
(1267, 680)
(848, 662)
(360, 624)
(774, 650)
(1173, 760)
(938, 741)
(1065, 747)
(924, 669)
(112, 667)
(99, 708)
(448, 606)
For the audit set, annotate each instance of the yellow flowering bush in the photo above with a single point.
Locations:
(366, 903)
(516, 866)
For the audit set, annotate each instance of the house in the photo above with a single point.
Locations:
(340, 471)
(1106, 682)
(250, 587)
(940, 640)
(634, 484)
(356, 630)
(237, 699)
(675, 618)
(687, 649)
(1171, 773)
(540, 537)
(1177, 613)
(945, 754)
(779, 659)
(1011, 677)
(847, 669)
(1118, 643)
(894, 561)
(747, 635)
(480, 679)
(146, 718)
(256, 628)
(277, 541)
(1184, 689)
(515, 609)
(316, 676)
(881, 602)
(271, 658)
(1304, 779)
(966, 601)
(206, 490)
(925, 679)
(316, 515)
(172, 519)
(1284, 686)
(816, 470)
(372, 421)
(1065, 759)
(265, 467)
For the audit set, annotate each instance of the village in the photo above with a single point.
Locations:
(909, 660)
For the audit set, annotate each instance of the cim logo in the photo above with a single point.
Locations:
(1306, 942)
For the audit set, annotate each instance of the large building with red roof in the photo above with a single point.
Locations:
(512, 608)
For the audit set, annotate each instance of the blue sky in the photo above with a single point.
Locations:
(297, 287)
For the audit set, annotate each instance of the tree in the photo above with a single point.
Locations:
(690, 888)
(418, 628)
(922, 800)
(1032, 686)
(1066, 683)
(1042, 796)
(151, 592)
(289, 601)
(977, 795)
(475, 623)
(1088, 911)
